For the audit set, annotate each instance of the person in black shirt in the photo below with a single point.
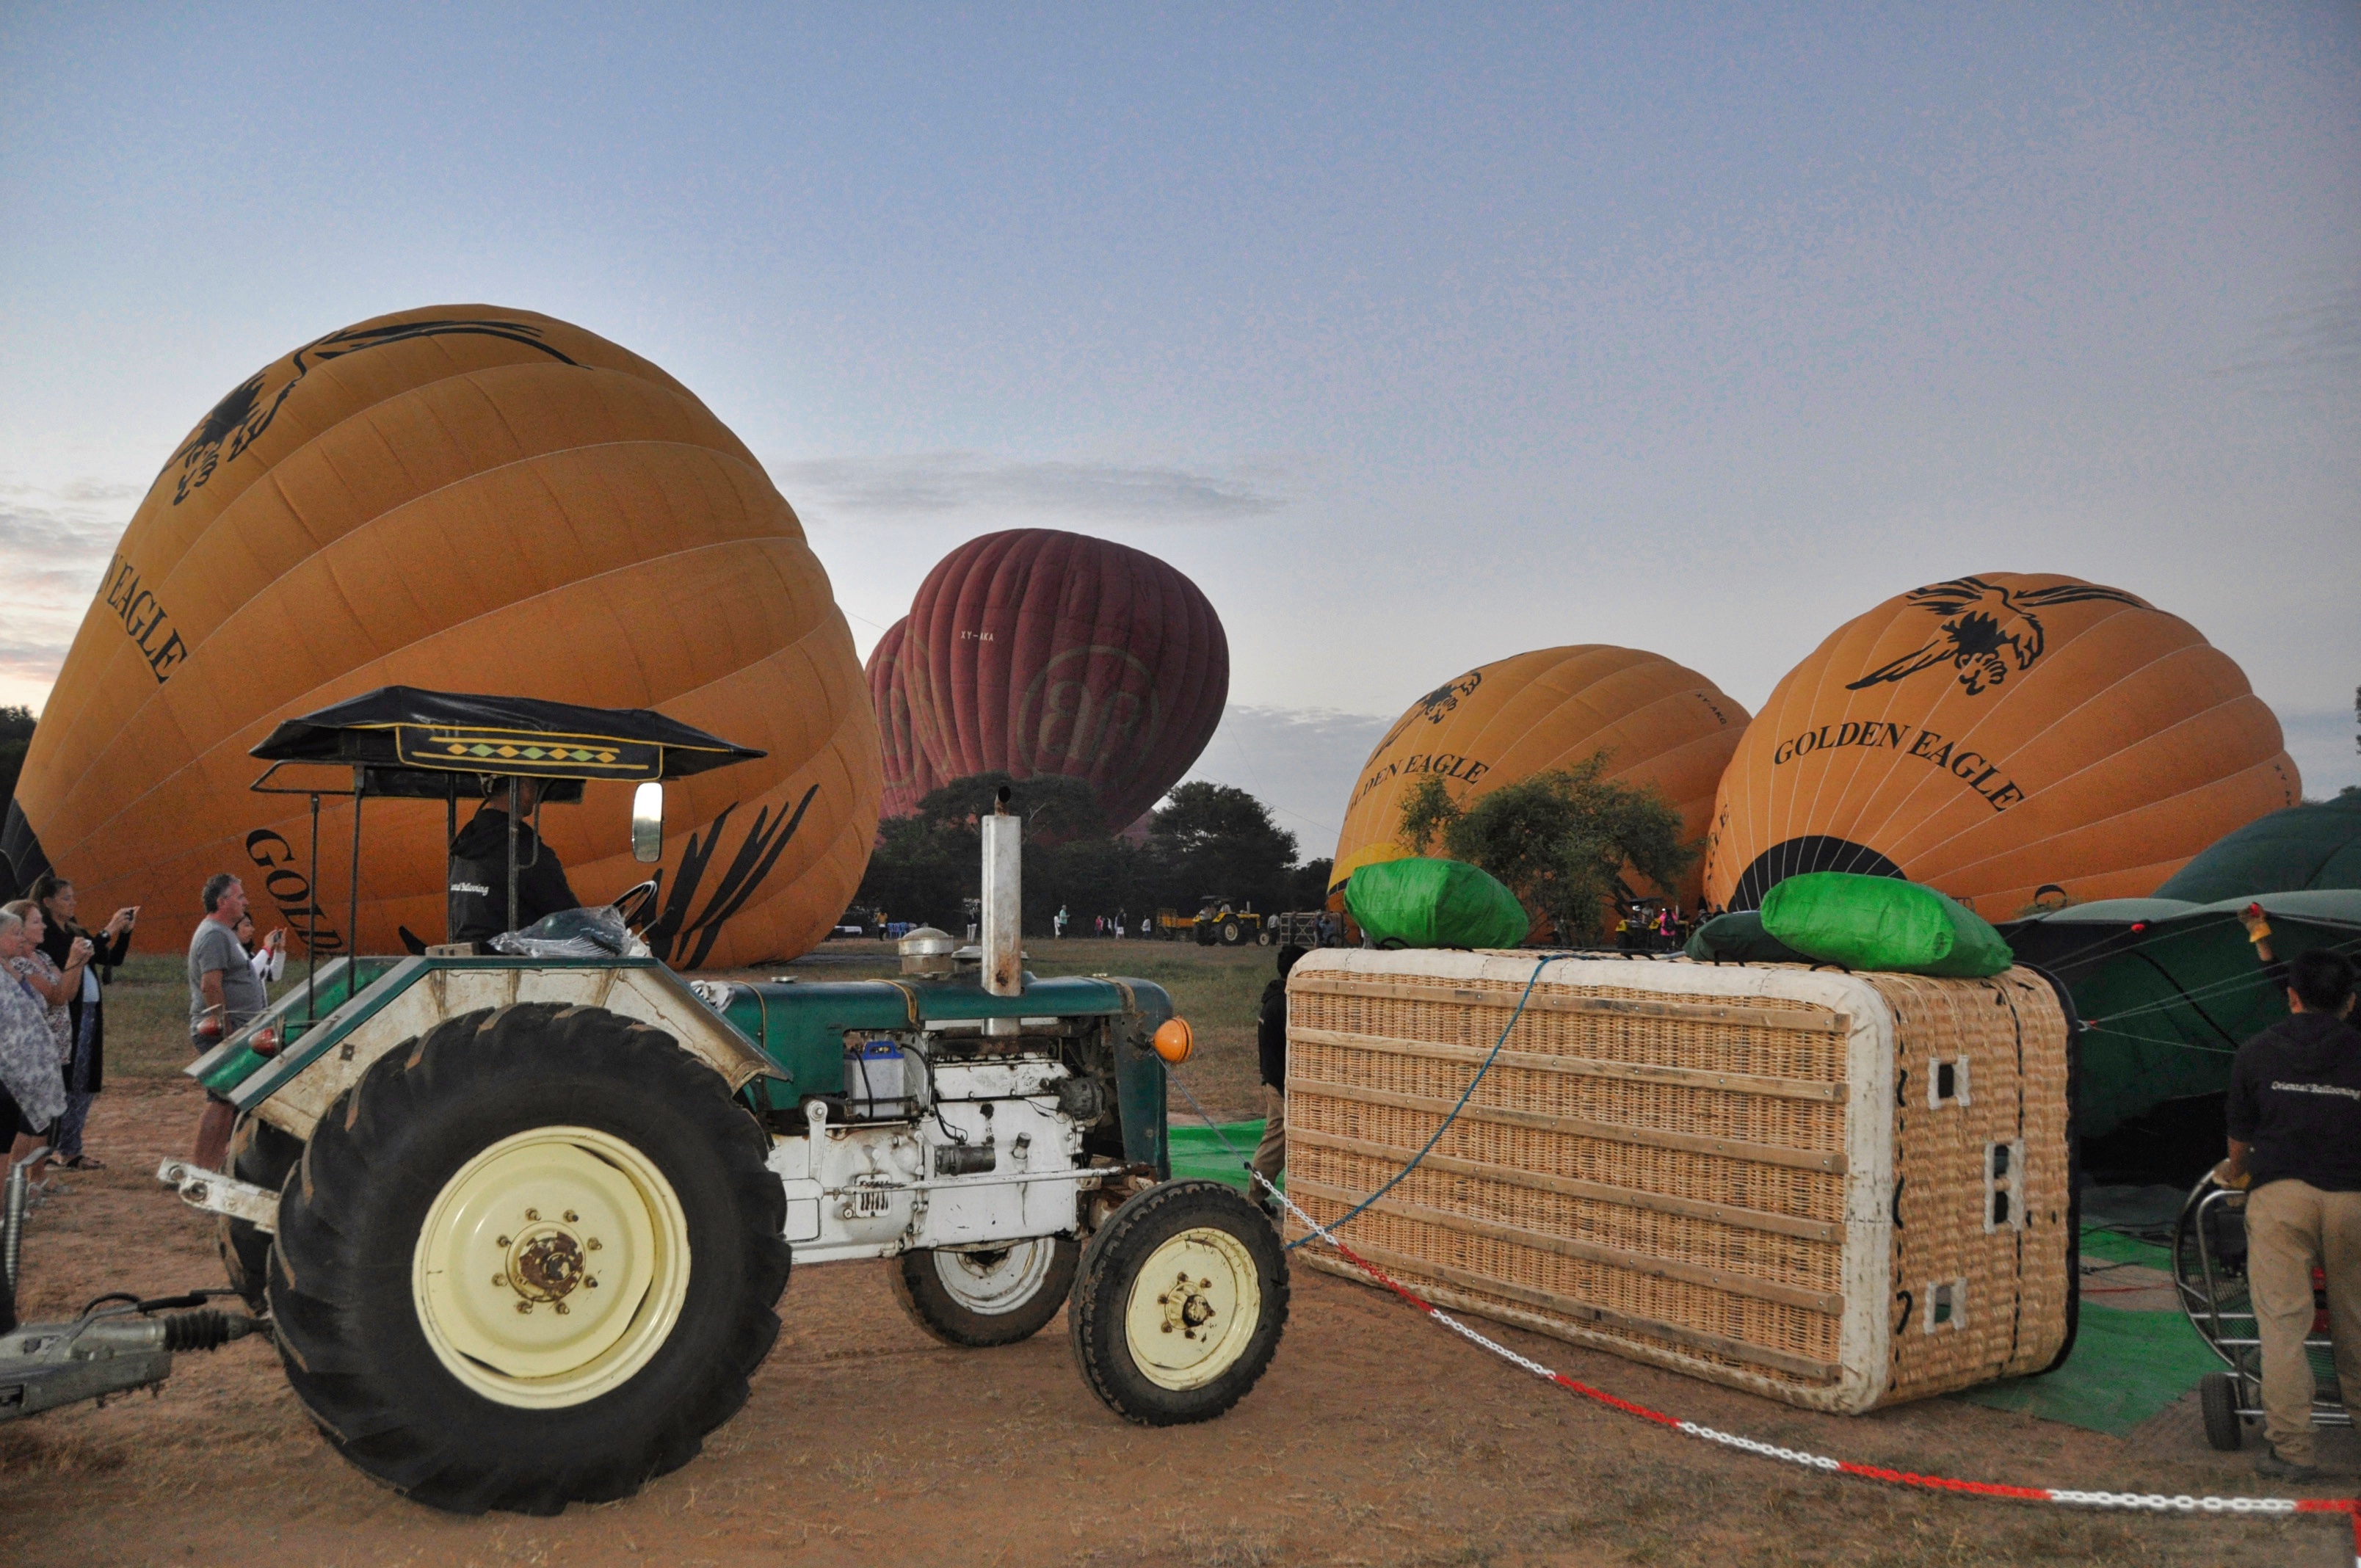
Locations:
(480, 870)
(1270, 1043)
(85, 1068)
(2294, 1116)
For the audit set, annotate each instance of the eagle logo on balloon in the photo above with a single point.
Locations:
(1435, 704)
(1435, 707)
(238, 421)
(1986, 630)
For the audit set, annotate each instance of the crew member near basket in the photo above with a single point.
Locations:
(2294, 1116)
(479, 869)
(1270, 1045)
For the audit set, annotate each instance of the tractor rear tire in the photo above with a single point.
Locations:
(263, 1155)
(1180, 1304)
(977, 1299)
(1233, 934)
(449, 1204)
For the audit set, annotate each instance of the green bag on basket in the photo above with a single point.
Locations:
(1422, 903)
(1738, 937)
(1881, 923)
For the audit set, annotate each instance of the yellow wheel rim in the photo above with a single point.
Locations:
(1193, 1308)
(551, 1267)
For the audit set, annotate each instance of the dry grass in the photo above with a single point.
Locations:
(148, 1018)
(1375, 1440)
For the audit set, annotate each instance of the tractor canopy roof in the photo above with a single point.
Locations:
(411, 741)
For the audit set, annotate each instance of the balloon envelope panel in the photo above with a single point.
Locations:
(908, 779)
(1994, 736)
(1038, 652)
(2317, 845)
(468, 498)
(1667, 726)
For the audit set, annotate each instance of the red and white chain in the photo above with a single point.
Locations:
(2147, 1502)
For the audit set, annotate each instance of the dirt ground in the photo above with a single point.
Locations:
(1375, 1438)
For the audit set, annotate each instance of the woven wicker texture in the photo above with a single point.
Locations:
(1666, 1175)
(2012, 1320)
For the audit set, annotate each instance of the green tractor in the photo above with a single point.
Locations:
(522, 1219)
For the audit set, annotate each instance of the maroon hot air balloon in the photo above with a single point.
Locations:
(1038, 651)
(908, 779)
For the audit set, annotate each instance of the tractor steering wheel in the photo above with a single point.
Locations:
(637, 906)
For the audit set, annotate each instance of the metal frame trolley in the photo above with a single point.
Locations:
(2208, 1266)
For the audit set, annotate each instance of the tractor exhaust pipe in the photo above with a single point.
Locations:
(1004, 908)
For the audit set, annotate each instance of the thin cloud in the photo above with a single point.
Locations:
(31, 535)
(929, 484)
(32, 661)
(2305, 349)
(1300, 762)
(54, 546)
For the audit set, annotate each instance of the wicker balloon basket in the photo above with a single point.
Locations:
(1841, 1190)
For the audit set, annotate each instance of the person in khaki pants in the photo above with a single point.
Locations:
(2294, 1117)
(1270, 1044)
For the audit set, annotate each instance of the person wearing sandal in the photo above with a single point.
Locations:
(56, 985)
(85, 1071)
(32, 1091)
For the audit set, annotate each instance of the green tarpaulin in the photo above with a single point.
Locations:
(1422, 902)
(1738, 937)
(2125, 1367)
(1881, 923)
(1197, 1151)
(2170, 989)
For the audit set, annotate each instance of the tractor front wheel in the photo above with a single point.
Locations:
(1178, 1304)
(998, 1296)
(531, 1259)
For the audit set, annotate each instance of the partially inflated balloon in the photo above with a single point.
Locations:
(1665, 727)
(474, 499)
(2314, 846)
(908, 779)
(1996, 736)
(1038, 652)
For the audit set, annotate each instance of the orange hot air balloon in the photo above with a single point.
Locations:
(908, 777)
(1993, 737)
(1666, 725)
(463, 499)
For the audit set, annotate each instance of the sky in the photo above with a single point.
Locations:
(1416, 335)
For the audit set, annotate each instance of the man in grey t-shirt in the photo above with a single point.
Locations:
(224, 994)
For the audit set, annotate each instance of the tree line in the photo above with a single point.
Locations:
(1207, 840)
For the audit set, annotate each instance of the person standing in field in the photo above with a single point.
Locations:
(224, 993)
(86, 1012)
(32, 1091)
(2294, 1117)
(1270, 1046)
(55, 987)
